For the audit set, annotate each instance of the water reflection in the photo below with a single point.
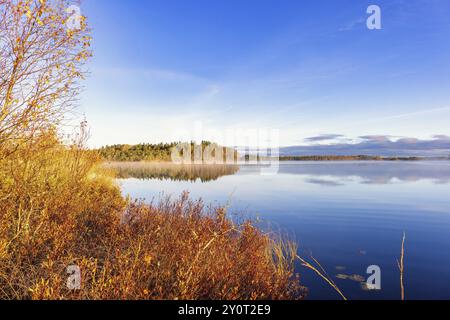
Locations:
(372, 172)
(324, 182)
(349, 215)
(328, 174)
(174, 172)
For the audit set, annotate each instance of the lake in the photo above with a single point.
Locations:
(348, 215)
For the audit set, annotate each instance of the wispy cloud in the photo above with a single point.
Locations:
(441, 137)
(415, 113)
(383, 145)
(323, 137)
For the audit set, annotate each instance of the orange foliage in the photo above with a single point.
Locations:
(59, 207)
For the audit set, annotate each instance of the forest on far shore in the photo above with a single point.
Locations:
(161, 152)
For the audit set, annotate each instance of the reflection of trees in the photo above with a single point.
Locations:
(175, 172)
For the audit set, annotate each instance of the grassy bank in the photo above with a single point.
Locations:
(60, 207)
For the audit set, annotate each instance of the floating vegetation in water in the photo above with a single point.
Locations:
(355, 278)
(365, 286)
(352, 277)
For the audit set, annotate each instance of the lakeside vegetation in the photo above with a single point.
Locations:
(142, 152)
(160, 152)
(60, 207)
(65, 209)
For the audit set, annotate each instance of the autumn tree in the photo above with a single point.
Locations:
(44, 45)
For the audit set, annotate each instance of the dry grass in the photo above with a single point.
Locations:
(401, 267)
(321, 272)
(180, 251)
(58, 207)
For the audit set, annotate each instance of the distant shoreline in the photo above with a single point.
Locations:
(163, 153)
(248, 160)
(360, 158)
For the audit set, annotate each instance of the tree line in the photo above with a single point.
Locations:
(155, 152)
(341, 158)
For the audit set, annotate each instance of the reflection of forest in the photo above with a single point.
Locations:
(169, 171)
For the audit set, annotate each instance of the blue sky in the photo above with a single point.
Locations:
(307, 68)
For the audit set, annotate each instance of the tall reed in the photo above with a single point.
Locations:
(401, 267)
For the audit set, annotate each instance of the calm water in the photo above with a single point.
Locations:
(348, 215)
